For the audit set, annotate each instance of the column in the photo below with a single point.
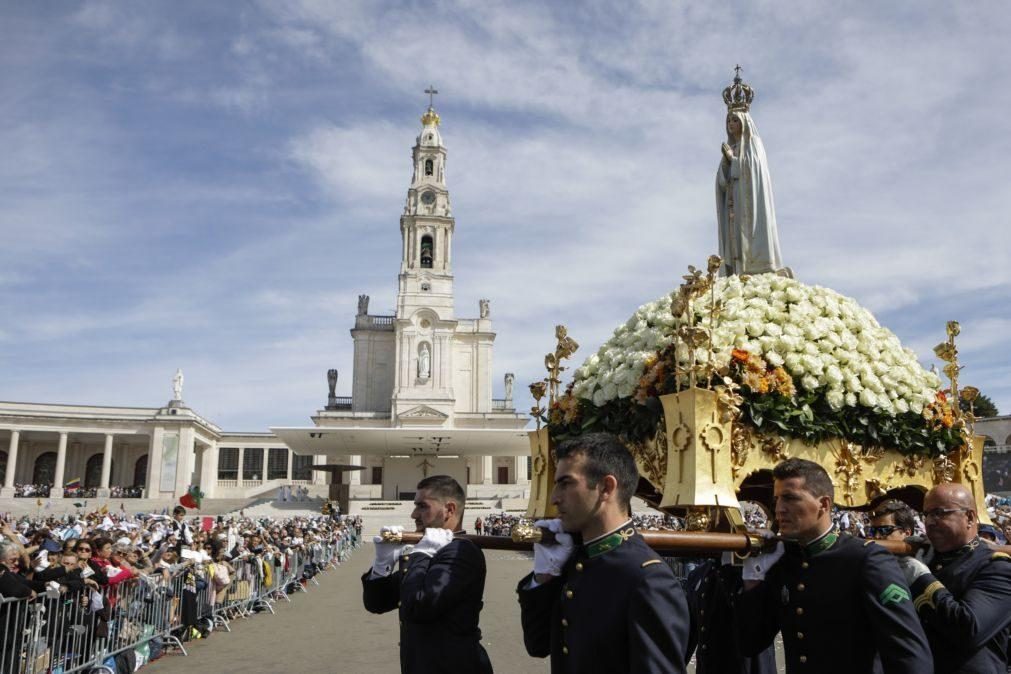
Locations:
(356, 475)
(209, 470)
(242, 452)
(12, 462)
(486, 469)
(263, 475)
(103, 488)
(184, 472)
(152, 488)
(61, 464)
(291, 460)
(520, 470)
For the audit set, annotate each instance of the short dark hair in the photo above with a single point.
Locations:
(444, 488)
(816, 479)
(902, 513)
(605, 455)
(179, 510)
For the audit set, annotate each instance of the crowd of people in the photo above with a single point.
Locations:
(46, 490)
(100, 570)
(997, 472)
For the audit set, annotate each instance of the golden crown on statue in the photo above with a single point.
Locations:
(738, 96)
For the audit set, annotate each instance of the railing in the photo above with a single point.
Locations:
(340, 403)
(83, 629)
(502, 404)
(375, 322)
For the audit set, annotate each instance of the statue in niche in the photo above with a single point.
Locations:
(177, 385)
(363, 305)
(485, 307)
(331, 380)
(745, 211)
(509, 379)
(424, 361)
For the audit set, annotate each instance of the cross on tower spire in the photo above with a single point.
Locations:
(431, 91)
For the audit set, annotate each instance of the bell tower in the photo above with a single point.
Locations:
(426, 227)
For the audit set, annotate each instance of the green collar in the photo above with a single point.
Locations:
(608, 542)
(822, 544)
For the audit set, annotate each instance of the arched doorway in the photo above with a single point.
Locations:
(93, 471)
(140, 472)
(45, 468)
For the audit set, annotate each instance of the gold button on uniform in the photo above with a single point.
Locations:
(565, 650)
(568, 594)
(579, 566)
(800, 588)
(803, 659)
(804, 565)
(800, 611)
(565, 623)
(800, 635)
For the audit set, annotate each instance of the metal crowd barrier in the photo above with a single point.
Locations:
(85, 630)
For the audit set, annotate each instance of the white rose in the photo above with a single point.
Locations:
(836, 399)
(867, 398)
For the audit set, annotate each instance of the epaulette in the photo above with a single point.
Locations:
(1001, 555)
(651, 562)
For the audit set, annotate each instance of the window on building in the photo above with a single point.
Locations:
(503, 475)
(377, 474)
(301, 467)
(277, 463)
(228, 463)
(426, 251)
(252, 463)
(429, 167)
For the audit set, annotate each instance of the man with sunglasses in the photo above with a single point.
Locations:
(961, 588)
(892, 521)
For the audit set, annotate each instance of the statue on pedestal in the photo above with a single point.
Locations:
(177, 385)
(363, 305)
(509, 378)
(424, 361)
(745, 211)
(485, 307)
(331, 380)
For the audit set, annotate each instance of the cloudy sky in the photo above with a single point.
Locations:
(210, 185)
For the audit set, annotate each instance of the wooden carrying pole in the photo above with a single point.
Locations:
(670, 543)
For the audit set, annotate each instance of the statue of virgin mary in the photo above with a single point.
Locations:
(749, 242)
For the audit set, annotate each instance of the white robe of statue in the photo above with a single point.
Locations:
(749, 241)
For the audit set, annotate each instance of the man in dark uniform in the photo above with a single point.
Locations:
(840, 602)
(600, 600)
(961, 588)
(711, 587)
(437, 586)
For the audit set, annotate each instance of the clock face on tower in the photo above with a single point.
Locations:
(428, 198)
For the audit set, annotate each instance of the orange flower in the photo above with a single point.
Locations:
(740, 355)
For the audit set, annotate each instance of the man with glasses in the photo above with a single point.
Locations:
(892, 521)
(962, 588)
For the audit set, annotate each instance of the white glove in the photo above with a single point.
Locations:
(916, 565)
(433, 541)
(387, 553)
(755, 568)
(549, 558)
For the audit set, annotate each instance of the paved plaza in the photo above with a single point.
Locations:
(327, 630)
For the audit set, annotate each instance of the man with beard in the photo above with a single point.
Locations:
(961, 587)
(437, 585)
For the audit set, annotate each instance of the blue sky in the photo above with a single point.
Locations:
(210, 185)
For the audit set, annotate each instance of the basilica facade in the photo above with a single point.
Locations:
(421, 401)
